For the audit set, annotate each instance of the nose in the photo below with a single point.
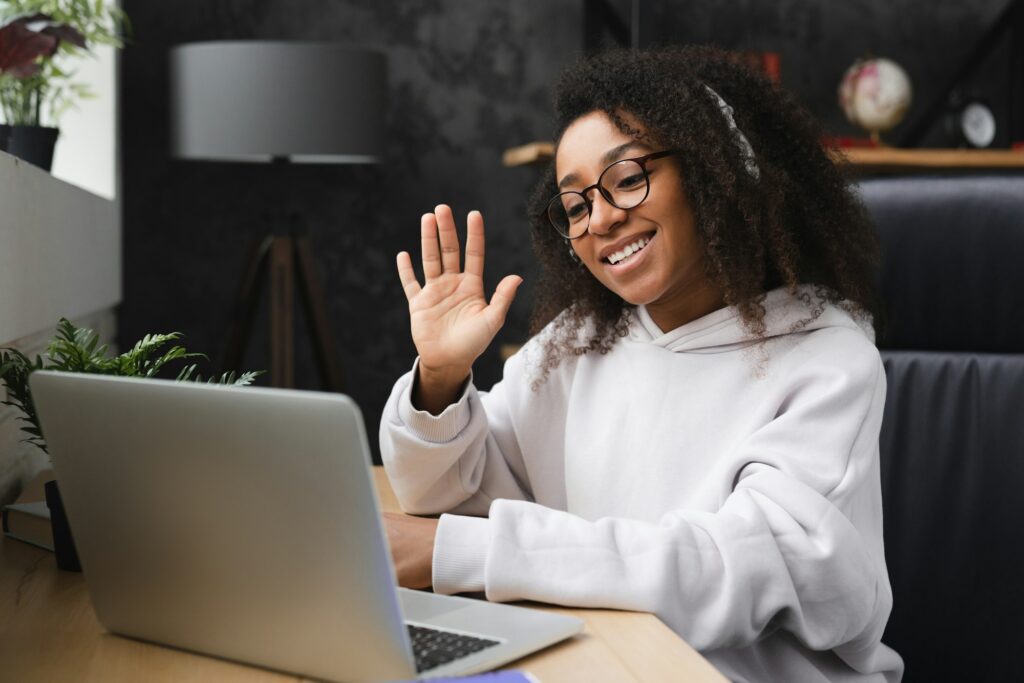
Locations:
(604, 216)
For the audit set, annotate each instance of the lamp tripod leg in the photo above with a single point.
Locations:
(282, 313)
(315, 308)
(247, 298)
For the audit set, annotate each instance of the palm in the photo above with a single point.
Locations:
(452, 322)
(449, 320)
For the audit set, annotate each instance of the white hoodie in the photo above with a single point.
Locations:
(729, 487)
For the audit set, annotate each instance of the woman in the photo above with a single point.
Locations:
(693, 428)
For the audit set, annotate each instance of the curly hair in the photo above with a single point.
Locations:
(797, 223)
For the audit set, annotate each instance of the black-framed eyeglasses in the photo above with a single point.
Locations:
(624, 184)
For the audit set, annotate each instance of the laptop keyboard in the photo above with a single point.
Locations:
(432, 647)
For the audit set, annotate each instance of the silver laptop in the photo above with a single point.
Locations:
(243, 522)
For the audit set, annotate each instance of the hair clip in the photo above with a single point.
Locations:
(746, 151)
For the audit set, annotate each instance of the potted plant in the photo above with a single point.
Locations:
(37, 37)
(75, 349)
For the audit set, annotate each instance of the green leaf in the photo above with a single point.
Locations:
(186, 373)
(247, 378)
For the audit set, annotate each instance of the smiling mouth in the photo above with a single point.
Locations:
(628, 252)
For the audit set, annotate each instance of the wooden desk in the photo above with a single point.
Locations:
(48, 632)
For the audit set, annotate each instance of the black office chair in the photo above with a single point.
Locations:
(952, 442)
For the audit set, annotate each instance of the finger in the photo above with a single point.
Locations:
(407, 275)
(449, 238)
(475, 243)
(429, 250)
(502, 299)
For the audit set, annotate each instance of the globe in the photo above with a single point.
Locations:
(875, 94)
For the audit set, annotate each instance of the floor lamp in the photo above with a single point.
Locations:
(279, 103)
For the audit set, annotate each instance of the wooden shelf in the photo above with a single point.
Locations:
(533, 153)
(890, 159)
(861, 159)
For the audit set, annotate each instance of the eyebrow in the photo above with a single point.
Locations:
(610, 156)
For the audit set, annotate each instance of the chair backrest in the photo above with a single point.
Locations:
(953, 261)
(952, 442)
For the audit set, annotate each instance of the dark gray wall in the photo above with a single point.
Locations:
(467, 80)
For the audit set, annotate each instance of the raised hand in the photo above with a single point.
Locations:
(452, 322)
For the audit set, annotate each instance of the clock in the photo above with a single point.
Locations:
(971, 123)
(978, 124)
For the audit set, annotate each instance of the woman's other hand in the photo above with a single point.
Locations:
(412, 548)
(452, 322)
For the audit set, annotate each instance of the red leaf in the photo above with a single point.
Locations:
(20, 47)
(65, 33)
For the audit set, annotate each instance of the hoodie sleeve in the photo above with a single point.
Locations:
(795, 545)
(458, 461)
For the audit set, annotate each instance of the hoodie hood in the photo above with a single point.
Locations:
(723, 330)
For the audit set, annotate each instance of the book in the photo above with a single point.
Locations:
(28, 519)
(846, 142)
(768, 63)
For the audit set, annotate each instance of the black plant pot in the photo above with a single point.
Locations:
(63, 543)
(33, 144)
(5, 134)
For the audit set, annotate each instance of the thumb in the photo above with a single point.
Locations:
(504, 293)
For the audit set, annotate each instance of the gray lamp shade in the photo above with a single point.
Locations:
(260, 101)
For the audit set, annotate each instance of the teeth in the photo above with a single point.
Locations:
(628, 250)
